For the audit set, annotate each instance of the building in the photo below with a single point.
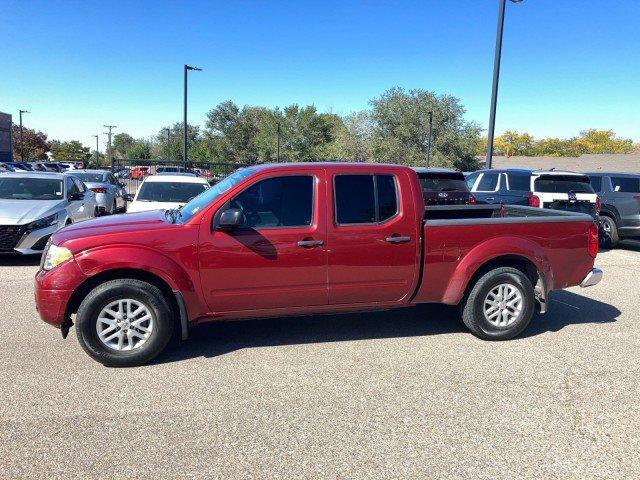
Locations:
(5, 138)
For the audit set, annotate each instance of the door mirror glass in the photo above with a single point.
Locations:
(76, 196)
(230, 219)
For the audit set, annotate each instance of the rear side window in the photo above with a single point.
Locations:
(625, 184)
(519, 181)
(443, 182)
(277, 202)
(365, 198)
(563, 184)
(488, 182)
(596, 183)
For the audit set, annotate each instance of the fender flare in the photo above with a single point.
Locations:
(513, 247)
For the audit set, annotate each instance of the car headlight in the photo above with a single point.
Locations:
(54, 256)
(43, 222)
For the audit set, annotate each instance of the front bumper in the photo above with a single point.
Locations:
(53, 290)
(592, 278)
(30, 242)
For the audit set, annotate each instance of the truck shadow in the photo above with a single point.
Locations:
(213, 339)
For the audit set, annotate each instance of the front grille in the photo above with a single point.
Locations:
(9, 237)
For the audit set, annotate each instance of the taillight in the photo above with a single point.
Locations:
(534, 201)
(99, 190)
(598, 204)
(592, 246)
(472, 200)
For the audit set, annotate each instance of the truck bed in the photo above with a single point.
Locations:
(490, 214)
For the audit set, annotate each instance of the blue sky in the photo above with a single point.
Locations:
(567, 65)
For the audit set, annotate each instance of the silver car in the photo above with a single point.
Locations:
(34, 205)
(110, 194)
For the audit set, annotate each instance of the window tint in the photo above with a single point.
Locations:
(387, 199)
(80, 185)
(626, 184)
(443, 182)
(471, 179)
(172, 192)
(277, 202)
(72, 188)
(596, 183)
(563, 184)
(356, 198)
(488, 182)
(519, 181)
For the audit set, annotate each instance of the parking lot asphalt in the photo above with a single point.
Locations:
(405, 394)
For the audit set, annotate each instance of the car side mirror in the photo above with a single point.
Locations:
(231, 219)
(76, 196)
(128, 197)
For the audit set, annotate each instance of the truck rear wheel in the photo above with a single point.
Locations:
(500, 305)
(124, 323)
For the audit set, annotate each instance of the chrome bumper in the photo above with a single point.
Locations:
(593, 278)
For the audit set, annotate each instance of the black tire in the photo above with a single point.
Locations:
(610, 237)
(472, 305)
(100, 297)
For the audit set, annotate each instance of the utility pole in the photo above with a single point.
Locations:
(429, 144)
(21, 137)
(97, 160)
(168, 142)
(496, 78)
(278, 136)
(184, 145)
(109, 156)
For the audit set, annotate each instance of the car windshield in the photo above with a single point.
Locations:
(12, 188)
(175, 192)
(563, 184)
(205, 198)
(443, 182)
(90, 177)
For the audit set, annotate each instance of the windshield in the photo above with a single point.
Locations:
(563, 184)
(205, 198)
(30, 189)
(90, 177)
(443, 182)
(175, 192)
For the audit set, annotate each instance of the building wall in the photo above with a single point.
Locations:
(5, 137)
(586, 163)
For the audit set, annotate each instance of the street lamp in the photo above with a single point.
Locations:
(168, 139)
(21, 137)
(278, 137)
(184, 146)
(97, 160)
(429, 144)
(496, 77)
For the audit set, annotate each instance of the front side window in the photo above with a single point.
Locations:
(488, 182)
(365, 198)
(277, 202)
(72, 188)
(625, 184)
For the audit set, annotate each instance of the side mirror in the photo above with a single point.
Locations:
(76, 196)
(128, 197)
(230, 219)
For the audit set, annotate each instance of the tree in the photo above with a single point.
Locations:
(513, 143)
(71, 150)
(158, 147)
(36, 144)
(121, 144)
(556, 147)
(400, 131)
(602, 141)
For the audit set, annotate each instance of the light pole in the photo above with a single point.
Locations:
(184, 146)
(278, 137)
(21, 137)
(168, 140)
(496, 77)
(97, 160)
(109, 156)
(429, 144)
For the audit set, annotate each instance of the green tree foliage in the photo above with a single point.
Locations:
(71, 150)
(513, 143)
(602, 141)
(158, 145)
(36, 144)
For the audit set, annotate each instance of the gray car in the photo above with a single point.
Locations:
(34, 205)
(110, 193)
(620, 207)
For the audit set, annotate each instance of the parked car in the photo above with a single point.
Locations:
(6, 168)
(19, 166)
(110, 194)
(167, 192)
(554, 189)
(122, 172)
(292, 239)
(45, 167)
(138, 173)
(444, 186)
(620, 210)
(35, 205)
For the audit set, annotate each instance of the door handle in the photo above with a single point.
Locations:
(398, 239)
(310, 243)
(490, 199)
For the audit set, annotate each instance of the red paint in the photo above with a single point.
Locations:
(243, 274)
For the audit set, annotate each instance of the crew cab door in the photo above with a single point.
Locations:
(373, 238)
(278, 258)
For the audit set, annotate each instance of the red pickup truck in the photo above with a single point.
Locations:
(291, 239)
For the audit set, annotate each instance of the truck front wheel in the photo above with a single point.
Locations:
(124, 323)
(500, 305)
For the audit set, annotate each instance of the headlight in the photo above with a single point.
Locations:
(43, 222)
(54, 256)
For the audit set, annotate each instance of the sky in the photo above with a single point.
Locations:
(567, 65)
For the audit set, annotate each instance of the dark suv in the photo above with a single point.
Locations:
(444, 186)
(620, 210)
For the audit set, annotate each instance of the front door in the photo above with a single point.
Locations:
(373, 239)
(278, 258)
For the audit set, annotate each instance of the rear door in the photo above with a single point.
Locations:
(626, 197)
(486, 188)
(373, 238)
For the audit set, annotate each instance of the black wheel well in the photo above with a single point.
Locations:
(90, 283)
(523, 264)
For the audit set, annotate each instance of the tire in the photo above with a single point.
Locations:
(473, 304)
(610, 237)
(114, 208)
(135, 350)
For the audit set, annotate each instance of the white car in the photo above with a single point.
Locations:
(164, 192)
